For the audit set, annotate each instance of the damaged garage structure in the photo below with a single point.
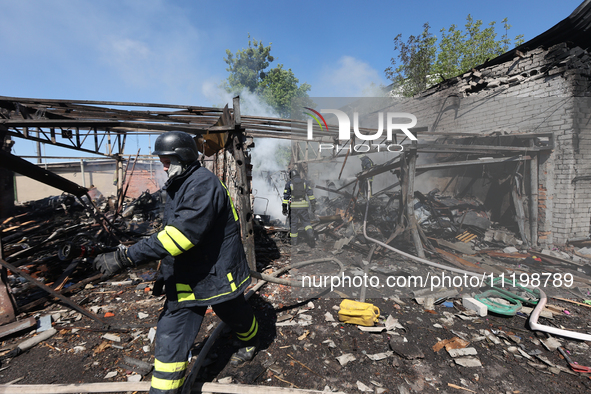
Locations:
(529, 106)
(94, 127)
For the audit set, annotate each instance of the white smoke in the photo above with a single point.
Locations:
(267, 180)
(350, 77)
(250, 104)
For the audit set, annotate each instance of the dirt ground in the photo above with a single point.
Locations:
(302, 339)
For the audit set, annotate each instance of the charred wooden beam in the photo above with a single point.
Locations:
(533, 199)
(243, 186)
(74, 288)
(468, 148)
(54, 293)
(7, 189)
(28, 169)
(17, 326)
(410, 211)
(519, 212)
(441, 166)
(379, 169)
(334, 191)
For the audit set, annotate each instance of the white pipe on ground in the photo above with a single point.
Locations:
(534, 325)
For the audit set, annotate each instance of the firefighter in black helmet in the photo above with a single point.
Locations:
(296, 195)
(203, 262)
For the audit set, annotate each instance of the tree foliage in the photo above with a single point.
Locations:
(425, 60)
(249, 70)
(417, 56)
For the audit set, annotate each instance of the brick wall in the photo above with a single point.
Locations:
(538, 92)
(141, 181)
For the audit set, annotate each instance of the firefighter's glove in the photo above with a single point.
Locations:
(158, 288)
(313, 206)
(284, 212)
(110, 263)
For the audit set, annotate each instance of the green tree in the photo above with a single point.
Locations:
(422, 61)
(247, 66)
(249, 70)
(417, 56)
(279, 87)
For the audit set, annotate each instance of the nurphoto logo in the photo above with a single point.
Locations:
(345, 129)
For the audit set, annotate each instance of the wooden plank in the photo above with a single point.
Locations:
(440, 166)
(220, 129)
(519, 213)
(33, 304)
(580, 243)
(14, 217)
(492, 253)
(410, 211)
(333, 190)
(249, 389)
(458, 247)
(237, 114)
(533, 199)
(244, 191)
(8, 229)
(33, 138)
(468, 148)
(403, 176)
(74, 388)
(453, 258)
(95, 102)
(379, 169)
(17, 326)
(54, 293)
(112, 387)
(572, 302)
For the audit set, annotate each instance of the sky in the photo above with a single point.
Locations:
(165, 51)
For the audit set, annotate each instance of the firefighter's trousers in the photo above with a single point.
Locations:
(177, 331)
(300, 217)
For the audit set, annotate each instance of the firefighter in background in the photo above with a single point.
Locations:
(203, 262)
(366, 164)
(296, 195)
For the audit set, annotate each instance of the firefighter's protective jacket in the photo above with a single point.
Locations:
(203, 260)
(366, 163)
(295, 193)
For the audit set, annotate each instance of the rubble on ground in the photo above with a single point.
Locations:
(423, 341)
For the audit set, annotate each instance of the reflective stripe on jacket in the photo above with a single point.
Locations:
(297, 203)
(203, 260)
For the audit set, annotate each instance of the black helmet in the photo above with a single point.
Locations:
(294, 173)
(178, 144)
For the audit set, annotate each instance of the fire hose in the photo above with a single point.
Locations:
(273, 278)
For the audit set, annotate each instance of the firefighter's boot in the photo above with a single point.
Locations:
(245, 354)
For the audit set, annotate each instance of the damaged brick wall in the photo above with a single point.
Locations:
(539, 91)
(141, 181)
(542, 90)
